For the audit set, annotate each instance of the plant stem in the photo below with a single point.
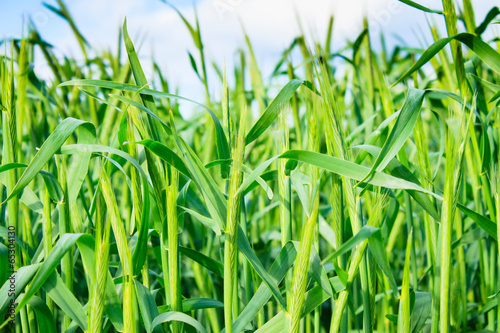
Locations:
(65, 227)
(98, 289)
(233, 218)
(173, 246)
(129, 321)
(284, 186)
(47, 235)
(456, 48)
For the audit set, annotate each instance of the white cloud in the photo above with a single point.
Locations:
(271, 25)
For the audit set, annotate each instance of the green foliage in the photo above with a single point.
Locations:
(376, 208)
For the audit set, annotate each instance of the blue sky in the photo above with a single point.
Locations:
(271, 25)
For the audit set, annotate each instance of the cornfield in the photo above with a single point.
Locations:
(356, 197)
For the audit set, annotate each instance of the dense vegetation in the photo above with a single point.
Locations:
(360, 199)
